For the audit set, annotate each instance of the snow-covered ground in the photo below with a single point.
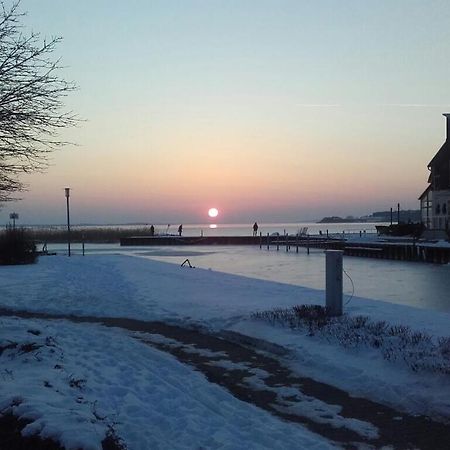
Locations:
(76, 381)
(82, 379)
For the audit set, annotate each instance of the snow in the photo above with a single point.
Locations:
(84, 378)
(363, 373)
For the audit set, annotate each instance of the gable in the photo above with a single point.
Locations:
(442, 156)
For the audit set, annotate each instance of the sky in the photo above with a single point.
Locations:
(267, 110)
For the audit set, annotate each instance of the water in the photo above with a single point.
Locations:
(415, 284)
(264, 228)
(211, 229)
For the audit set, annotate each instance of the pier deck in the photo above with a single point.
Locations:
(189, 240)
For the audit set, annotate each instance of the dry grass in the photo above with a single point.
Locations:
(97, 235)
(418, 350)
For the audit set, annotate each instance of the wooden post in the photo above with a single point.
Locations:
(260, 240)
(268, 243)
(296, 243)
(307, 244)
(287, 242)
(278, 242)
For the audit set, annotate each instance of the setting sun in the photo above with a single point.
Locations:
(213, 212)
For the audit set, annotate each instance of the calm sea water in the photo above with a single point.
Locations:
(212, 229)
(415, 284)
(264, 228)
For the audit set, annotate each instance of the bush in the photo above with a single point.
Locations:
(16, 247)
(418, 350)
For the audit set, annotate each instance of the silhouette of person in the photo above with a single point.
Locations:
(180, 230)
(152, 230)
(255, 229)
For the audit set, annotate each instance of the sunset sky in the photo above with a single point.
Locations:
(266, 110)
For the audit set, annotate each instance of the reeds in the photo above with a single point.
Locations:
(97, 235)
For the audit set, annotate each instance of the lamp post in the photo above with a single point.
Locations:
(13, 216)
(67, 192)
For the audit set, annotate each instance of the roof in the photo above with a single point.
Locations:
(425, 192)
(443, 152)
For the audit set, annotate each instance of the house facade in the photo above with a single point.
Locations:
(435, 200)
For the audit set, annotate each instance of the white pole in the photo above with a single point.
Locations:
(334, 282)
(67, 193)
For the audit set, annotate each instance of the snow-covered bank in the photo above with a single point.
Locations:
(82, 380)
(134, 385)
(127, 286)
(401, 282)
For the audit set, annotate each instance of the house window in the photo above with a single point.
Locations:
(438, 208)
(444, 208)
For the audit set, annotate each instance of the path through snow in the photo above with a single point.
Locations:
(264, 381)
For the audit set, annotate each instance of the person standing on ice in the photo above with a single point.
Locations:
(255, 229)
(180, 230)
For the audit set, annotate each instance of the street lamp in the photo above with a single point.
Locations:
(13, 216)
(67, 192)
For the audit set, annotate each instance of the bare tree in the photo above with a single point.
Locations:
(31, 101)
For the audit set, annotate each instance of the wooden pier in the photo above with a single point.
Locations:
(401, 251)
(189, 240)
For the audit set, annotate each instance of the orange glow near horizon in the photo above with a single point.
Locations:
(250, 178)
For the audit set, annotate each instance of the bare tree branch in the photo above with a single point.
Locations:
(31, 101)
